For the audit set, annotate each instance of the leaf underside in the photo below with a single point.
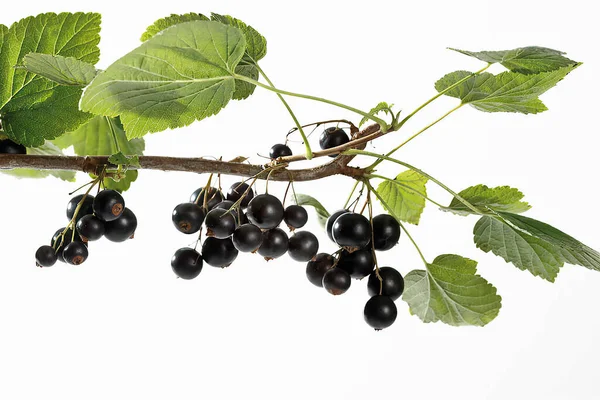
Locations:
(306, 200)
(400, 197)
(67, 71)
(450, 291)
(501, 198)
(173, 79)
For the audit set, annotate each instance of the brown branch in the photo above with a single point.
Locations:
(94, 164)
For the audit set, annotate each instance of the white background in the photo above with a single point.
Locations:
(121, 326)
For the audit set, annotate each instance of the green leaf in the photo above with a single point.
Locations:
(532, 245)
(505, 92)
(123, 160)
(524, 60)
(501, 198)
(167, 22)
(67, 71)
(100, 136)
(34, 108)
(381, 107)
(256, 44)
(306, 200)
(173, 79)
(123, 183)
(256, 49)
(404, 197)
(47, 149)
(451, 292)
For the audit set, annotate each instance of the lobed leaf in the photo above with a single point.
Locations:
(66, 71)
(124, 183)
(171, 80)
(524, 60)
(501, 198)
(381, 107)
(532, 245)
(34, 108)
(306, 200)
(505, 92)
(167, 22)
(404, 197)
(450, 291)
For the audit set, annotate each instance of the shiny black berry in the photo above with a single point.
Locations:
(108, 205)
(331, 220)
(351, 230)
(333, 137)
(392, 285)
(336, 281)
(59, 243)
(386, 232)
(380, 312)
(303, 246)
(279, 150)
(45, 256)
(7, 146)
(316, 269)
(358, 264)
(247, 238)
(90, 227)
(215, 196)
(265, 211)
(275, 244)
(220, 223)
(224, 205)
(75, 253)
(218, 252)
(236, 191)
(188, 217)
(186, 263)
(121, 228)
(295, 216)
(86, 207)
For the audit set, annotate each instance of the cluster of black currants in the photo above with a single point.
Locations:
(358, 239)
(239, 222)
(93, 217)
(7, 146)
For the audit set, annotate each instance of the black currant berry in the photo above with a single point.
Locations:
(186, 263)
(386, 232)
(333, 137)
(265, 211)
(236, 191)
(62, 243)
(331, 220)
(351, 230)
(380, 312)
(279, 150)
(75, 253)
(218, 252)
(86, 207)
(303, 246)
(225, 205)
(295, 216)
(90, 227)
(247, 238)
(275, 244)
(392, 285)
(45, 256)
(7, 146)
(336, 281)
(220, 223)
(188, 217)
(109, 205)
(316, 269)
(215, 196)
(358, 264)
(121, 228)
